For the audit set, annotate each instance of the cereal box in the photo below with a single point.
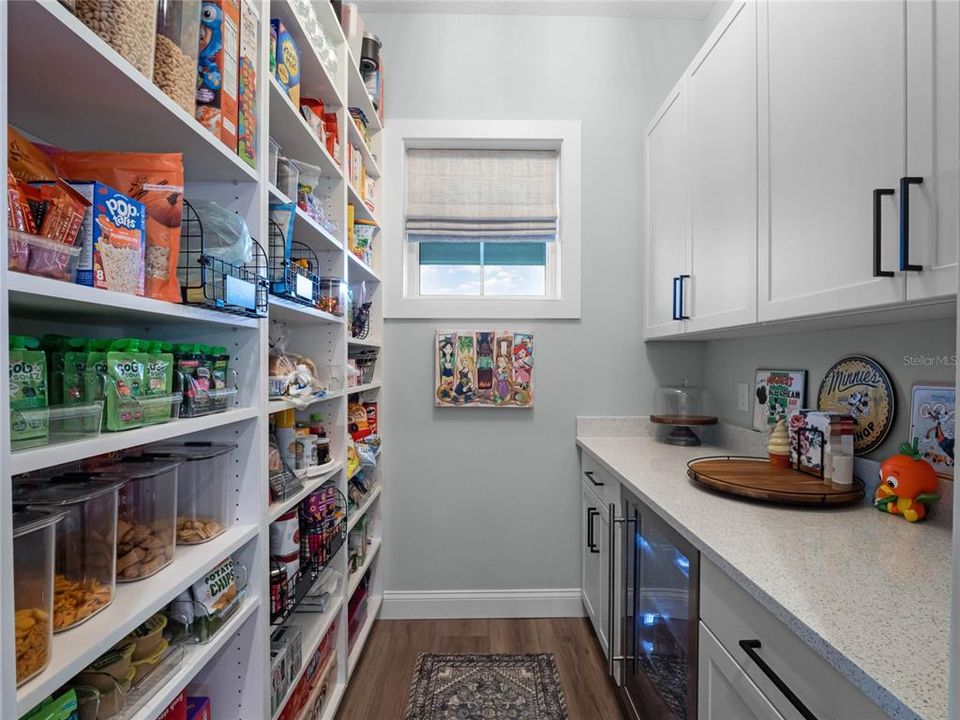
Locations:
(217, 69)
(112, 240)
(247, 104)
(288, 62)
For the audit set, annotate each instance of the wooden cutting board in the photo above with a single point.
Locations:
(757, 479)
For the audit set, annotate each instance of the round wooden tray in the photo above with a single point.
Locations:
(757, 479)
(683, 420)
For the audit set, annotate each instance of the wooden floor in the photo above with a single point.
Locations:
(379, 687)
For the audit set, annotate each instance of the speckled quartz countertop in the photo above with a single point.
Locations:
(846, 581)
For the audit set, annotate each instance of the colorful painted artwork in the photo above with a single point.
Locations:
(778, 394)
(858, 385)
(484, 369)
(932, 425)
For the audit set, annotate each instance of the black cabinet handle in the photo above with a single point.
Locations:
(877, 232)
(680, 315)
(905, 183)
(676, 297)
(589, 474)
(591, 543)
(750, 647)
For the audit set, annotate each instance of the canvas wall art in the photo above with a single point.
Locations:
(484, 368)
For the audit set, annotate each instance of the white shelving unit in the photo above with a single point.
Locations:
(79, 93)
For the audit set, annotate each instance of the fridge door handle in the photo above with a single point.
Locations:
(878, 193)
(750, 647)
(612, 657)
(905, 183)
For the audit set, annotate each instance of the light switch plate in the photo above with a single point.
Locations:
(743, 397)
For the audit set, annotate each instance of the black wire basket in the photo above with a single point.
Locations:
(294, 277)
(208, 281)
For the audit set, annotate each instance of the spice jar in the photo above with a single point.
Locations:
(128, 26)
(85, 562)
(178, 47)
(202, 488)
(33, 549)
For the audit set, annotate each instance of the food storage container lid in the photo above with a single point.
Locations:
(63, 491)
(27, 521)
(190, 451)
(138, 469)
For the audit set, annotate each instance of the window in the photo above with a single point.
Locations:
(483, 219)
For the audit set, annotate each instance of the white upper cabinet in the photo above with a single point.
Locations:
(832, 130)
(721, 99)
(933, 146)
(667, 213)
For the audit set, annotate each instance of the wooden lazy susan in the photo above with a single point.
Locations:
(757, 479)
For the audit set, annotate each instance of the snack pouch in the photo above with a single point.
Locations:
(57, 347)
(158, 381)
(94, 370)
(25, 160)
(154, 179)
(125, 366)
(63, 212)
(74, 383)
(28, 390)
(195, 379)
(218, 380)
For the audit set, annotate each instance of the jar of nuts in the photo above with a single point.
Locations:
(146, 515)
(178, 47)
(203, 489)
(34, 541)
(84, 568)
(128, 26)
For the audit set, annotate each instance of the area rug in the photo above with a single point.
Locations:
(486, 687)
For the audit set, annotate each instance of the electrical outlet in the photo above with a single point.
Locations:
(743, 397)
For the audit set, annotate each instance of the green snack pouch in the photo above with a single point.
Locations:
(190, 363)
(55, 347)
(62, 707)
(95, 369)
(28, 390)
(218, 379)
(158, 381)
(74, 383)
(125, 366)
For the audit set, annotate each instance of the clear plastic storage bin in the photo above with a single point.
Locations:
(273, 159)
(146, 515)
(288, 177)
(203, 491)
(333, 295)
(175, 60)
(85, 565)
(33, 549)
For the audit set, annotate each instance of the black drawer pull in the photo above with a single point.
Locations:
(589, 474)
(750, 647)
(680, 315)
(591, 543)
(676, 298)
(905, 183)
(877, 232)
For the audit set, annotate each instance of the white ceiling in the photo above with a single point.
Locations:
(676, 9)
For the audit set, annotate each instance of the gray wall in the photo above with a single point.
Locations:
(728, 362)
(488, 499)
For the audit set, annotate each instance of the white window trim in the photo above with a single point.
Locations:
(398, 135)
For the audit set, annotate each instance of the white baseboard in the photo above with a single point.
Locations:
(454, 604)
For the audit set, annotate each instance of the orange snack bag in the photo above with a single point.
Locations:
(26, 161)
(156, 180)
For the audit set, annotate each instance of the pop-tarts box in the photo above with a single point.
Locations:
(198, 708)
(112, 240)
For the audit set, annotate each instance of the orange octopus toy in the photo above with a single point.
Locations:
(908, 485)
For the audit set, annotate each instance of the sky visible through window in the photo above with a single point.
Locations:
(479, 280)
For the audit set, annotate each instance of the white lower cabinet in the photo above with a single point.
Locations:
(724, 690)
(590, 568)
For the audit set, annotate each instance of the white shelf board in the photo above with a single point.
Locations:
(353, 517)
(358, 141)
(297, 139)
(313, 627)
(366, 342)
(313, 234)
(311, 483)
(358, 270)
(368, 387)
(360, 208)
(333, 702)
(356, 577)
(315, 81)
(107, 442)
(74, 649)
(275, 406)
(277, 195)
(81, 94)
(357, 94)
(290, 311)
(195, 659)
(373, 608)
(33, 296)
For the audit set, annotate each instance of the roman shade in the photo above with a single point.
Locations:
(489, 196)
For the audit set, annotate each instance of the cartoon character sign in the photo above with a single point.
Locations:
(932, 425)
(484, 369)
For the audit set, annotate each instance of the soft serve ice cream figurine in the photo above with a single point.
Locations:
(778, 447)
(908, 484)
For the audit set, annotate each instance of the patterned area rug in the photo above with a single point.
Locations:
(486, 687)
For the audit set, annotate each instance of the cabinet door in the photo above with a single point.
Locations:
(667, 203)
(603, 613)
(590, 580)
(721, 96)
(832, 129)
(725, 692)
(933, 145)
